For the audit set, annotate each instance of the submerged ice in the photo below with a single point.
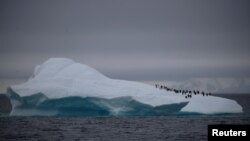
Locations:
(61, 86)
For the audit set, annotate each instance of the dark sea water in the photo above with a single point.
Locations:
(150, 128)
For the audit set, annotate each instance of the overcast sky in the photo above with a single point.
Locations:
(128, 39)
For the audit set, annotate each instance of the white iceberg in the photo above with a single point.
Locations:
(60, 77)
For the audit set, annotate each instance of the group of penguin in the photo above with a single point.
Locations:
(186, 93)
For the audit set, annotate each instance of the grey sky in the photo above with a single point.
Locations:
(128, 39)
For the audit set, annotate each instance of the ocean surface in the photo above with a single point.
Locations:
(175, 127)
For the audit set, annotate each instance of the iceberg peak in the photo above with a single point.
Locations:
(65, 68)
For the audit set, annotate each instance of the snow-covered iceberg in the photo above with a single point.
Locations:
(61, 86)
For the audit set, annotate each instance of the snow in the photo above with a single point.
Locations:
(61, 77)
(211, 105)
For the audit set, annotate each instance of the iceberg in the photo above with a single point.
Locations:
(61, 86)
